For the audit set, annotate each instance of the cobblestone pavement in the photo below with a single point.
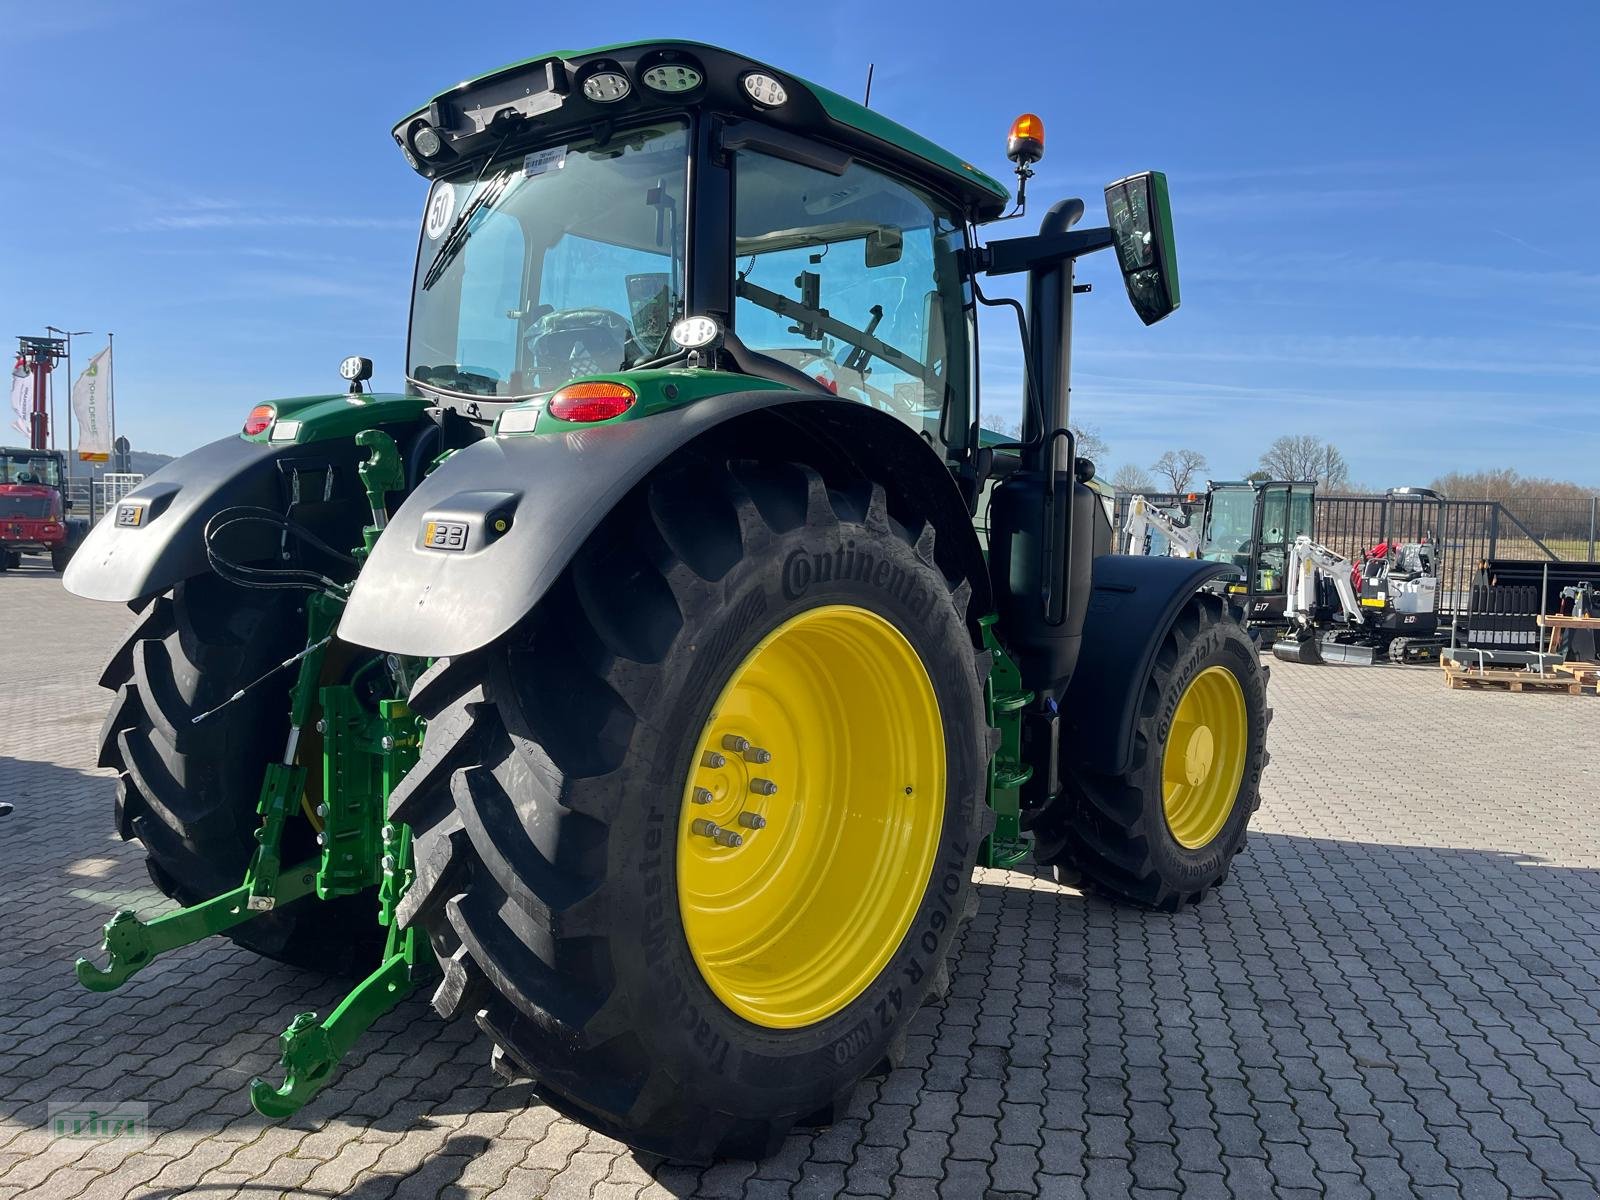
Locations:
(1396, 993)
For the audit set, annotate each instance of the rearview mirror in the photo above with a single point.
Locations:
(1141, 226)
(884, 246)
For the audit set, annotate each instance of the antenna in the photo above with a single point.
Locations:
(866, 101)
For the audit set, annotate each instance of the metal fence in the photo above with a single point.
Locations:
(1468, 532)
(93, 498)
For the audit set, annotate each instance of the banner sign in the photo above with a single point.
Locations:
(90, 399)
(21, 396)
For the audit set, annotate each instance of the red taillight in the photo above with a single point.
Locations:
(258, 420)
(591, 401)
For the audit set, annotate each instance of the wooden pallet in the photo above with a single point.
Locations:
(1502, 679)
(1586, 673)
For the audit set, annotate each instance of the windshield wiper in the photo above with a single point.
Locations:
(484, 199)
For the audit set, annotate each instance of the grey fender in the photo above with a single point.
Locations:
(552, 491)
(1133, 601)
(123, 562)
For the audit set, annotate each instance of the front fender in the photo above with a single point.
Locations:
(551, 491)
(1133, 601)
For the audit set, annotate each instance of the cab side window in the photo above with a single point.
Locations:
(853, 279)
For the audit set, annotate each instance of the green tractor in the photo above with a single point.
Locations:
(640, 673)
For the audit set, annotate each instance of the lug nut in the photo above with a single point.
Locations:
(322, 726)
(757, 755)
(763, 787)
(752, 820)
(713, 760)
(726, 837)
(387, 742)
(321, 840)
(732, 741)
(702, 795)
(705, 828)
(322, 812)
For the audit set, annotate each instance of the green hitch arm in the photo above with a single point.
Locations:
(382, 473)
(312, 1048)
(130, 944)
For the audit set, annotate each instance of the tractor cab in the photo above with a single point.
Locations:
(584, 205)
(598, 218)
(1252, 525)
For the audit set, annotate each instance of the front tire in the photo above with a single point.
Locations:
(1167, 829)
(691, 997)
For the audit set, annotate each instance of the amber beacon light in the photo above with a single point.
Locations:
(1025, 143)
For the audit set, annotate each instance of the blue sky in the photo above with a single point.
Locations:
(1388, 216)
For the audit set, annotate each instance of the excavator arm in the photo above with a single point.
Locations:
(1144, 516)
(1307, 560)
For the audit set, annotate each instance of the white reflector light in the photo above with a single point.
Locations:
(284, 431)
(672, 77)
(693, 332)
(517, 420)
(765, 90)
(605, 86)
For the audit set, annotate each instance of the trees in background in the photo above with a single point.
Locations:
(1506, 486)
(1179, 468)
(1131, 478)
(1091, 444)
(1306, 456)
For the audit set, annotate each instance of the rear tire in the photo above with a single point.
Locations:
(60, 556)
(188, 792)
(549, 807)
(1116, 833)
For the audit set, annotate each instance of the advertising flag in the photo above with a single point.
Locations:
(21, 396)
(90, 404)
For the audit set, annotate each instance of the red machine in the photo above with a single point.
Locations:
(33, 507)
(33, 483)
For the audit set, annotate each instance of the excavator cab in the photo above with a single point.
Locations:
(1252, 525)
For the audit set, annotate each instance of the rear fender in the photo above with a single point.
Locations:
(551, 491)
(154, 539)
(1134, 600)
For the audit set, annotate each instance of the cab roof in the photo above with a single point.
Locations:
(546, 91)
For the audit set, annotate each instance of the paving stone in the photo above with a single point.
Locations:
(1385, 998)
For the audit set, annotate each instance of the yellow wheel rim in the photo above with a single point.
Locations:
(792, 909)
(1203, 763)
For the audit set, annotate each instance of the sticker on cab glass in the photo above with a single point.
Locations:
(130, 516)
(444, 535)
(541, 161)
(440, 209)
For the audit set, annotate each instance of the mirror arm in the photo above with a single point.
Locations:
(1015, 255)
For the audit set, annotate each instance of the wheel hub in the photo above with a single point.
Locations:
(1197, 755)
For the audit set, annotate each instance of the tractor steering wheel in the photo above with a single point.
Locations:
(569, 343)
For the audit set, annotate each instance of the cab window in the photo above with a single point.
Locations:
(23, 468)
(853, 279)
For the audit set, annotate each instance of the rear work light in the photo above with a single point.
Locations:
(591, 401)
(260, 417)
